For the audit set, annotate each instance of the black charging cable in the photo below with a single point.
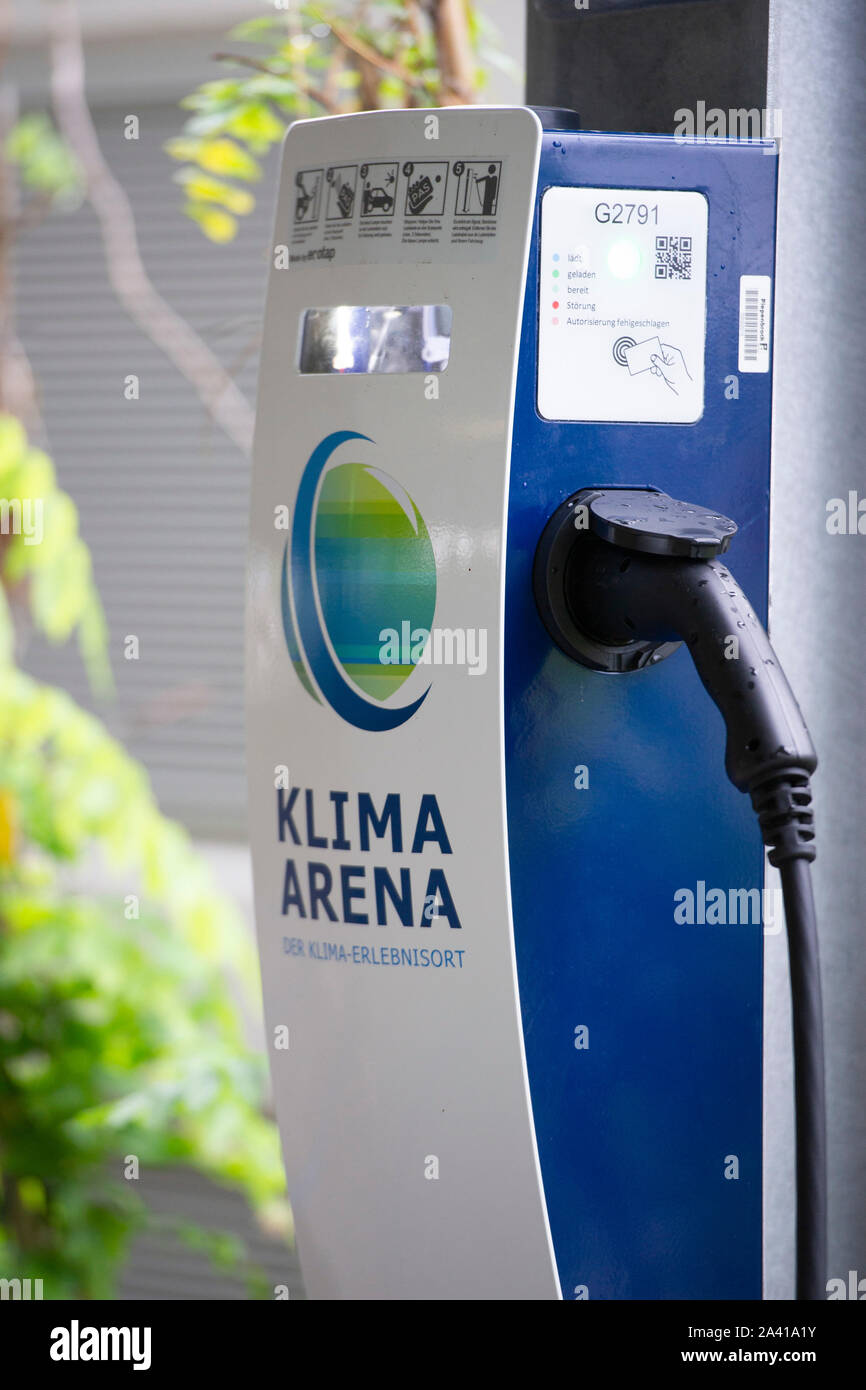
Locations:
(624, 576)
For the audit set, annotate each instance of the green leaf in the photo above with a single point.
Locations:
(45, 162)
(218, 225)
(228, 158)
(280, 87)
(46, 558)
(183, 147)
(202, 188)
(257, 126)
(253, 30)
(391, 89)
(221, 92)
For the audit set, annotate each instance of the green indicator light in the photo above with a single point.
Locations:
(624, 259)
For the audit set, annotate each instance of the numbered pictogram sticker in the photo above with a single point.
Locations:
(378, 191)
(342, 182)
(308, 193)
(478, 186)
(425, 188)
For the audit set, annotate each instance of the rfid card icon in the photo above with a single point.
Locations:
(663, 360)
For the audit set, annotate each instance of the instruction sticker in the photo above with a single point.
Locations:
(397, 210)
(622, 305)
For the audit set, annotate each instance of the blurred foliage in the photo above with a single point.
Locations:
(45, 164)
(119, 1032)
(317, 59)
(45, 563)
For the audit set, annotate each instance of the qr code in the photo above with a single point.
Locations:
(673, 258)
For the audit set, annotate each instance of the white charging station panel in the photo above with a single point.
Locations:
(381, 871)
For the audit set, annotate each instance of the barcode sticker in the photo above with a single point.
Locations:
(755, 292)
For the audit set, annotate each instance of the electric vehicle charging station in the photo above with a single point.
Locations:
(505, 902)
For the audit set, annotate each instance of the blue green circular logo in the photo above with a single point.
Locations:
(358, 587)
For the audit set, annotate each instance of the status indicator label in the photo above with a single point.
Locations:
(622, 320)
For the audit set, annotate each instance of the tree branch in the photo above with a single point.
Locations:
(454, 46)
(368, 54)
(218, 393)
(316, 94)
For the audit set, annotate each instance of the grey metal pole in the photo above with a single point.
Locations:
(817, 70)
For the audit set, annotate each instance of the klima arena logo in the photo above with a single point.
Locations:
(358, 560)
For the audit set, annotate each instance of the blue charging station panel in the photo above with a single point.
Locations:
(643, 1033)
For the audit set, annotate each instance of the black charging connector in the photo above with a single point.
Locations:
(622, 578)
